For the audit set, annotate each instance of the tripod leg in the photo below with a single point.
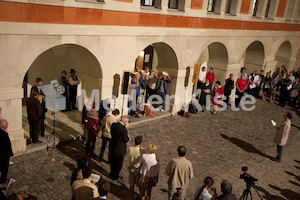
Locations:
(244, 195)
(258, 193)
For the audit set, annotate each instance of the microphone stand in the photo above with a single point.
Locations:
(53, 134)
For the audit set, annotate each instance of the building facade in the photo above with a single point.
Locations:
(103, 38)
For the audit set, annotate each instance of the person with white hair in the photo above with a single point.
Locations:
(106, 132)
(5, 150)
(119, 138)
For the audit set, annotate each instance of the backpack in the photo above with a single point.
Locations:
(192, 108)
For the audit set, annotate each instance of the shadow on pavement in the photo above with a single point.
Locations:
(62, 130)
(266, 195)
(75, 150)
(296, 177)
(297, 161)
(294, 183)
(288, 194)
(245, 146)
(69, 165)
(296, 126)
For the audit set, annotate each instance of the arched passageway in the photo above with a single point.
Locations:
(161, 57)
(283, 54)
(254, 57)
(215, 56)
(49, 66)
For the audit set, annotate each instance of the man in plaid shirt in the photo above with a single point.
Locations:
(84, 189)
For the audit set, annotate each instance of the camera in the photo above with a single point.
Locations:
(250, 183)
(250, 180)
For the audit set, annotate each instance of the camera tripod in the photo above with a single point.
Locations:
(247, 192)
(50, 147)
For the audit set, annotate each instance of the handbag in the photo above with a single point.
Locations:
(192, 108)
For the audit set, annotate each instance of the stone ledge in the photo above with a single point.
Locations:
(11, 93)
(19, 146)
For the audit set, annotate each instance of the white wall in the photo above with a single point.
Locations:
(116, 49)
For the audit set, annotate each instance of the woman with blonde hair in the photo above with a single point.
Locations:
(149, 171)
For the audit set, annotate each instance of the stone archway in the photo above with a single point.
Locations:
(215, 56)
(161, 57)
(283, 54)
(49, 66)
(254, 57)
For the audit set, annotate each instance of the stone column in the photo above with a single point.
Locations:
(291, 64)
(181, 95)
(204, 4)
(222, 9)
(107, 91)
(11, 103)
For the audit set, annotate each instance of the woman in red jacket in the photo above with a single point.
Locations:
(218, 91)
(210, 76)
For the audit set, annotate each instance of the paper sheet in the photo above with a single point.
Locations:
(95, 177)
(273, 122)
(10, 187)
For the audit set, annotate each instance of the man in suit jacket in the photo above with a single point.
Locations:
(34, 111)
(37, 88)
(229, 85)
(73, 81)
(64, 82)
(119, 138)
(5, 150)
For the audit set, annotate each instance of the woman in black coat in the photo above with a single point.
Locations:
(205, 92)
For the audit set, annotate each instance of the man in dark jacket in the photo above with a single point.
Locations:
(73, 81)
(5, 150)
(37, 88)
(64, 82)
(226, 189)
(34, 111)
(285, 82)
(119, 138)
(162, 87)
(229, 85)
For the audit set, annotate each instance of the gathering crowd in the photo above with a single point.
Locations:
(144, 165)
(287, 84)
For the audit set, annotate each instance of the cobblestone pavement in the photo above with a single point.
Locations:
(217, 145)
